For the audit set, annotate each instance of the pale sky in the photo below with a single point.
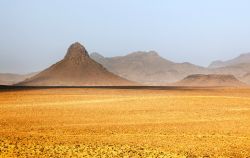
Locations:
(36, 34)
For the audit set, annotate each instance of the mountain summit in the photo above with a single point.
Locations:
(76, 69)
(76, 52)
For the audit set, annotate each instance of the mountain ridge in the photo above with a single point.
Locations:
(147, 67)
(242, 58)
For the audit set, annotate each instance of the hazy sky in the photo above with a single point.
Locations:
(35, 34)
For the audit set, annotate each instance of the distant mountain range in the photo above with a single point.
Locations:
(147, 67)
(242, 59)
(9, 79)
(239, 67)
(142, 67)
(150, 68)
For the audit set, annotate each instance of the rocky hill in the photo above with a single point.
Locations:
(76, 69)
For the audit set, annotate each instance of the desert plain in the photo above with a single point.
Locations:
(117, 122)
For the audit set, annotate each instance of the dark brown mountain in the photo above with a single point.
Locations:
(9, 78)
(147, 67)
(76, 69)
(211, 80)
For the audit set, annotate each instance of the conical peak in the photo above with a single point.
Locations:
(76, 51)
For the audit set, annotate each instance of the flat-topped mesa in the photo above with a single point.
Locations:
(76, 51)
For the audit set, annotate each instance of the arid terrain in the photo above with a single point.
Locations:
(211, 80)
(156, 122)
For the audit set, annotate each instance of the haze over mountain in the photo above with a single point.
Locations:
(211, 80)
(142, 67)
(9, 78)
(147, 67)
(76, 69)
(245, 78)
(239, 67)
(150, 68)
(242, 59)
(238, 70)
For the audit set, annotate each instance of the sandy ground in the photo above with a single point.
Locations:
(82, 122)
